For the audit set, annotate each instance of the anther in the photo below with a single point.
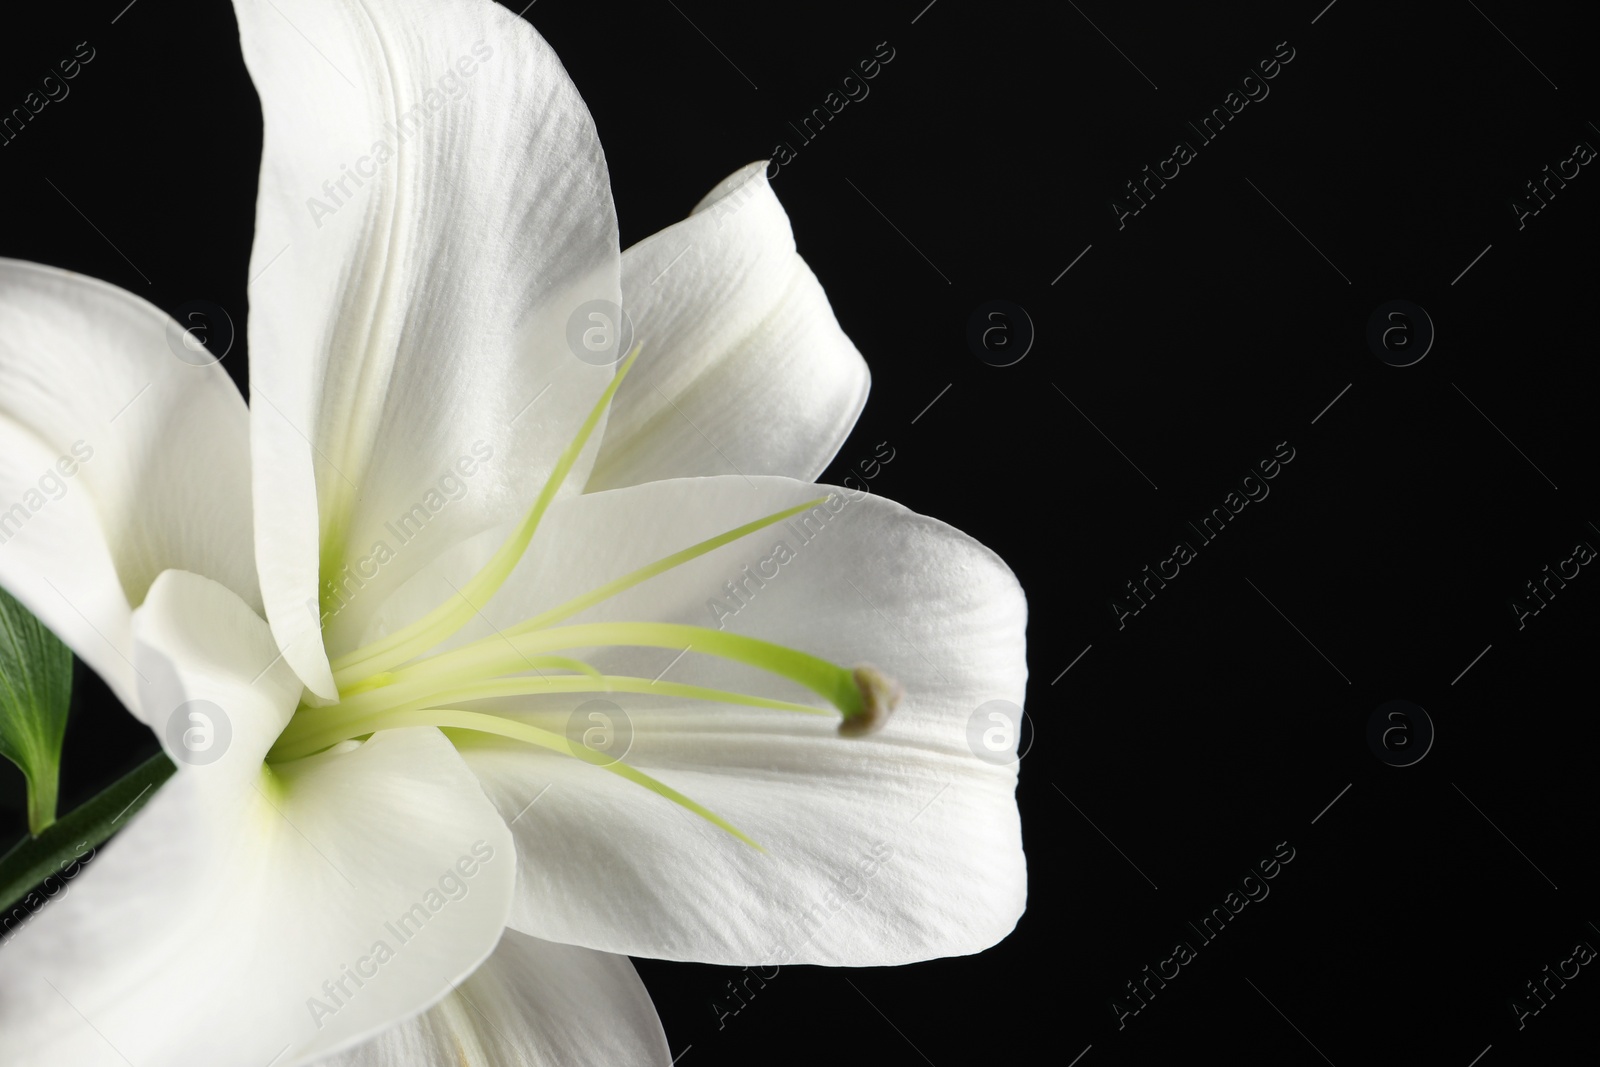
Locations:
(880, 695)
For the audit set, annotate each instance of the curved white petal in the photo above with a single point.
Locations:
(118, 460)
(434, 208)
(745, 369)
(205, 929)
(899, 846)
(533, 1003)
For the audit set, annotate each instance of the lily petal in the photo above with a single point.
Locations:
(898, 846)
(434, 208)
(532, 1003)
(205, 931)
(745, 369)
(118, 460)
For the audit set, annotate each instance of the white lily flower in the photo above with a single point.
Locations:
(434, 534)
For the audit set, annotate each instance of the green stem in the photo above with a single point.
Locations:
(42, 799)
(34, 859)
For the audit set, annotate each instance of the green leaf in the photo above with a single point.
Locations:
(35, 691)
(58, 849)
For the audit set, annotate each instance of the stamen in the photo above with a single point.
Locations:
(490, 724)
(507, 654)
(434, 628)
(880, 695)
(367, 670)
(320, 727)
(387, 678)
(378, 692)
(660, 566)
(610, 589)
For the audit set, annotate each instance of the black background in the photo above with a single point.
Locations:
(1227, 715)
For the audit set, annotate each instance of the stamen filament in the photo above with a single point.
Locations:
(610, 589)
(555, 663)
(660, 566)
(434, 628)
(566, 663)
(507, 654)
(534, 735)
(387, 685)
(322, 727)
